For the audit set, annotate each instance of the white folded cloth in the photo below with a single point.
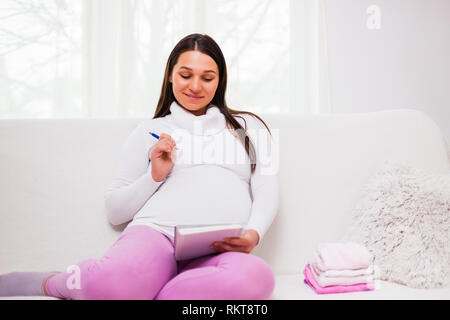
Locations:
(343, 273)
(342, 256)
(364, 276)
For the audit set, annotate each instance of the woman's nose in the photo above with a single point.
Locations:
(195, 85)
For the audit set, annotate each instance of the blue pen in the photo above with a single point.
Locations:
(157, 137)
(154, 134)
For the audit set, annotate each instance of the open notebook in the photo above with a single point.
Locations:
(192, 241)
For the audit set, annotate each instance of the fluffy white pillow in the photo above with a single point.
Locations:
(403, 218)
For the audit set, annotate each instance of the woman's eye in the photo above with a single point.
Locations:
(205, 79)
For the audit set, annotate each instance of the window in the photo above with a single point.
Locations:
(106, 58)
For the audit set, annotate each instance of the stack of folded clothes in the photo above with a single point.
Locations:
(340, 267)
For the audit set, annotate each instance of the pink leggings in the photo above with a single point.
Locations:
(141, 265)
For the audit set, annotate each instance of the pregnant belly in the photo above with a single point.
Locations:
(204, 194)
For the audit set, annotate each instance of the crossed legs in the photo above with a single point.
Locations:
(141, 265)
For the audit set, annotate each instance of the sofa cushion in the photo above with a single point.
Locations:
(292, 287)
(324, 162)
(54, 173)
(403, 218)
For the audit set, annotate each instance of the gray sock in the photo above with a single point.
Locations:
(23, 283)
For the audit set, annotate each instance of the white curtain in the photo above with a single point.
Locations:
(106, 58)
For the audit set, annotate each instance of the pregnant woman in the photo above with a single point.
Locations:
(210, 165)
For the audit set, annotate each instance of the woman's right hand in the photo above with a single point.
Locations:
(162, 157)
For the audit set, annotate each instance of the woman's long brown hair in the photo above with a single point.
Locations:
(207, 45)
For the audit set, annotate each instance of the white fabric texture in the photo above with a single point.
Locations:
(210, 182)
(343, 280)
(403, 218)
(343, 273)
(342, 256)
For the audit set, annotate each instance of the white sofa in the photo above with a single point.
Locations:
(54, 174)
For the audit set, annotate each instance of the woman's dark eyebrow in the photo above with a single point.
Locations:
(183, 67)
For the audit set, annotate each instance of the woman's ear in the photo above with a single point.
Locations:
(170, 78)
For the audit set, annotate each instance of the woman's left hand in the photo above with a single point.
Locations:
(246, 243)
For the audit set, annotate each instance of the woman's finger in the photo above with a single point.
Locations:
(166, 137)
(222, 247)
(236, 241)
(165, 146)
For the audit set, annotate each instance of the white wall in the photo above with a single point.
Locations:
(404, 64)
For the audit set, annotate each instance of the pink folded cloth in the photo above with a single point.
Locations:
(342, 256)
(311, 281)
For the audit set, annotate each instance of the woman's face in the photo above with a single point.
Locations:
(194, 80)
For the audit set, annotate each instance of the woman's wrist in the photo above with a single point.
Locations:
(252, 235)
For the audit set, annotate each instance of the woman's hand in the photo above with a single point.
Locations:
(246, 243)
(162, 157)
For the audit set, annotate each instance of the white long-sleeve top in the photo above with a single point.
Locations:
(210, 183)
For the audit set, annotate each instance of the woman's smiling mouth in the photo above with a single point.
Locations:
(193, 97)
